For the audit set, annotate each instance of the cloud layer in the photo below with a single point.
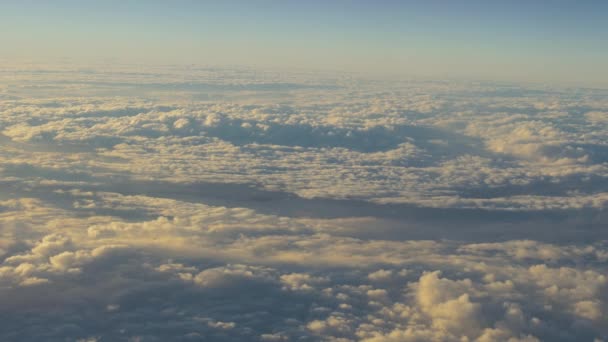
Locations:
(231, 205)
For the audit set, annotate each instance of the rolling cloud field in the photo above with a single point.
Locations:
(240, 204)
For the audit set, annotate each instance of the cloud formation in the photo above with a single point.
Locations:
(233, 205)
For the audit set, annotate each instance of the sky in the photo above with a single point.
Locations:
(541, 41)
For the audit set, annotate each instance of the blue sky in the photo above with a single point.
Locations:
(547, 41)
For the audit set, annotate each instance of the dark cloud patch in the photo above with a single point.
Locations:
(240, 132)
(395, 221)
(31, 171)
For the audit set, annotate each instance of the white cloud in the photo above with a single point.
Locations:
(220, 205)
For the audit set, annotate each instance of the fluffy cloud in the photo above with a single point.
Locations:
(297, 279)
(212, 204)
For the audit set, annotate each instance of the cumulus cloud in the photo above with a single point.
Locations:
(221, 205)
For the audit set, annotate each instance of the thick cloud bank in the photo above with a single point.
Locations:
(242, 205)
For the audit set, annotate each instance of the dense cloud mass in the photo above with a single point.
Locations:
(246, 205)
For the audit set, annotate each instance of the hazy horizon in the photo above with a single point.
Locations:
(561, 42)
